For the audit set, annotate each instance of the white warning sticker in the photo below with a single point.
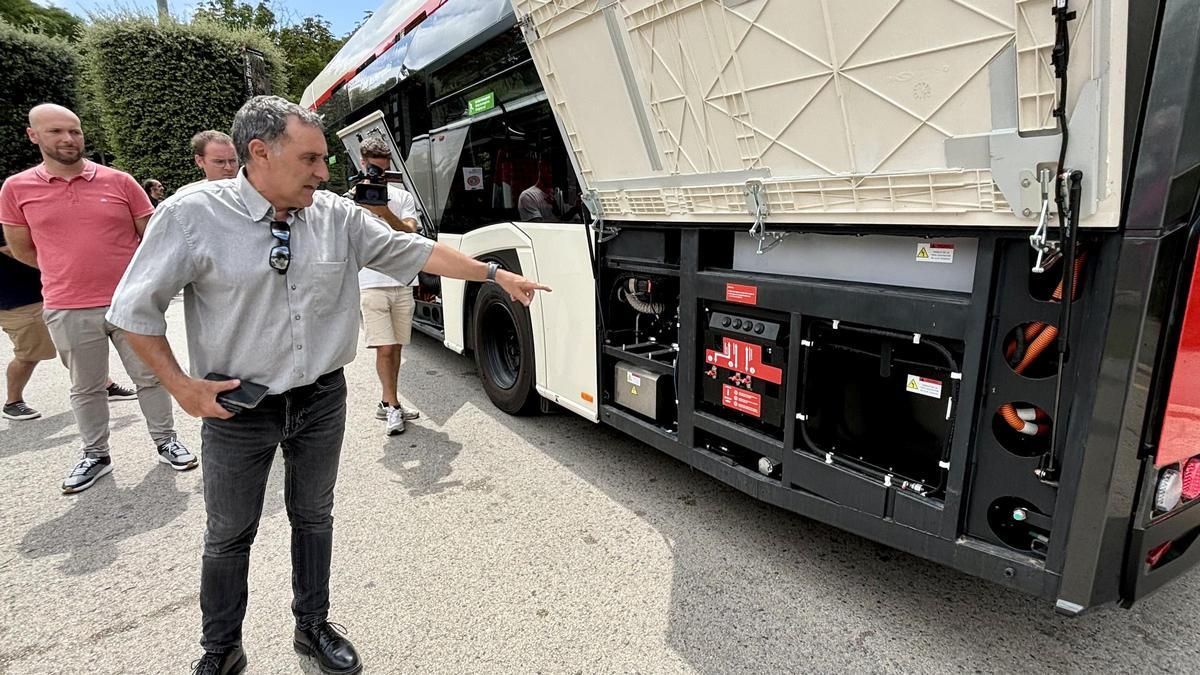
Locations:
(635, 380)
(935, 252)
(924, 386)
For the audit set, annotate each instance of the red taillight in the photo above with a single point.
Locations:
(1191, 479)
(1155, 554)
(1180, 437)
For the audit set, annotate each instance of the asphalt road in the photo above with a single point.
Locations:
(478, 542)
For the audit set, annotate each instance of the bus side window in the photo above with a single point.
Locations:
(513, 167)
(467, 188)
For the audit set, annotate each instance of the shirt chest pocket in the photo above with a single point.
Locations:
(326, 294)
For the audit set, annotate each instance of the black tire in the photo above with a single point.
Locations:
(503, 338)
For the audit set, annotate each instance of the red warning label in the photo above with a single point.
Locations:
(745, 358)
(741, 400)
(746, 295)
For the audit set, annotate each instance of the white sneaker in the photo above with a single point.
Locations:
(85, 473)
(174, 454)
(381, 412)
(395, 421)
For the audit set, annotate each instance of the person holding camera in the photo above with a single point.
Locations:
(387, 304)
(269, 266)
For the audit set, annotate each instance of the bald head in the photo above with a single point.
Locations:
(57, 132)
(47, 113)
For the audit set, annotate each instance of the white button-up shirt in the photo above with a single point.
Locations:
(244, 319)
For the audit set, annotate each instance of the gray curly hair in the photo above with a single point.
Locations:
(265, 118)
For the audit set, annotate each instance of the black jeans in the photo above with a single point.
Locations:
(309, 422)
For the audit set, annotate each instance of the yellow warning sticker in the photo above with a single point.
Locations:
(935, 252)
(633, 390)
(924, 386)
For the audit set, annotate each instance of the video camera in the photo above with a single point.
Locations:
(371, 187)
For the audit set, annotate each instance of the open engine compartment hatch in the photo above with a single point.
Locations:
(873, 405)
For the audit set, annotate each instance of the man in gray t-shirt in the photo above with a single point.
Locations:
(269, 268)
(534, 205)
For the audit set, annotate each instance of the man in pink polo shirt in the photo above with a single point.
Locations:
(80, 223)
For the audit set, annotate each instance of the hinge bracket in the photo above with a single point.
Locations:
(756, 205)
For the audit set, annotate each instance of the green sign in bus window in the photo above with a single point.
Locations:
(481, 103)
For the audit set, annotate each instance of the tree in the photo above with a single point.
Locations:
(367, 14)
(238, 15)
(33, 18)
(149, 118)
(307, 45)
(37, 69)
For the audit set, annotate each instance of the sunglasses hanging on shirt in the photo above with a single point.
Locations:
(281, 253)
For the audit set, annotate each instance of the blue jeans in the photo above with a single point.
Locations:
(309, 422)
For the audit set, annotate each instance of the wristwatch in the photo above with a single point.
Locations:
(492, 267)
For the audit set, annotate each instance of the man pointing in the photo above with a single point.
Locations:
(269, 266)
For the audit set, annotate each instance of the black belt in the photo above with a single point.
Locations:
(309, 389)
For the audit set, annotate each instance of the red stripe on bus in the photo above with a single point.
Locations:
(405, 28)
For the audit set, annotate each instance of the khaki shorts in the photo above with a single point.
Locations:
(387, 315)
(27, 330)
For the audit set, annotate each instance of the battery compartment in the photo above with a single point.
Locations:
(880, 401)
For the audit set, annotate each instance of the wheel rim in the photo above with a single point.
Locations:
(501, 345)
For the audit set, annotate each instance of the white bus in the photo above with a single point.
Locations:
(920, 270)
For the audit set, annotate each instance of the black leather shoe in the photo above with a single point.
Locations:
(230, 662)
(327, 643)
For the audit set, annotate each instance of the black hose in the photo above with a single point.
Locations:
(1061, 58)
(951, 363)
(1021, 345)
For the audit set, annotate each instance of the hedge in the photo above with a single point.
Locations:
(157, 85)
(37, 69)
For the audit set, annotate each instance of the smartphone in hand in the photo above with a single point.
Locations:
(245, 397)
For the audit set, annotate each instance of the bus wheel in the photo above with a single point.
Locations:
(504, 351)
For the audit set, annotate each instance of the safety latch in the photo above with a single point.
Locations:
(1048, 252)
(756, 204)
